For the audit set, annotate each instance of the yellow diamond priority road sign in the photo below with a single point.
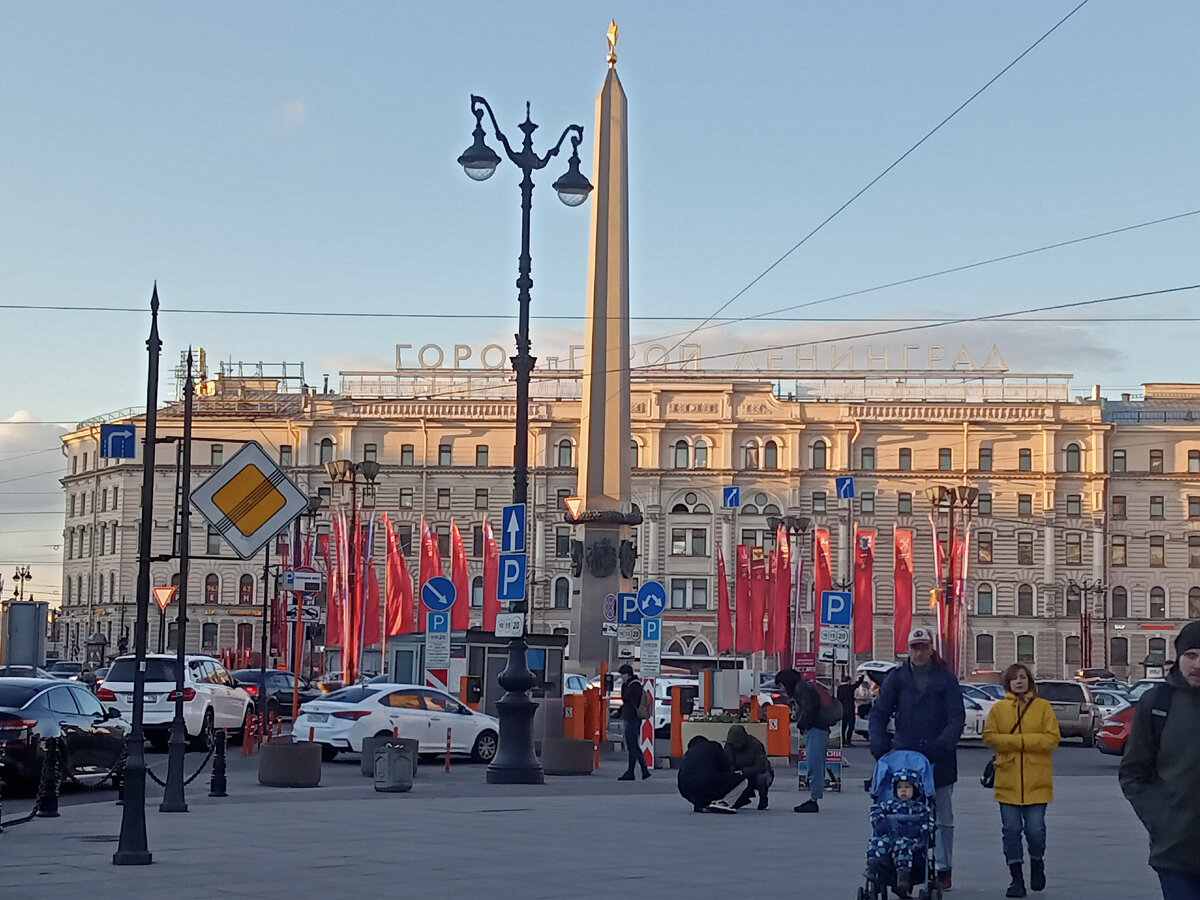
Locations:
(249, 500)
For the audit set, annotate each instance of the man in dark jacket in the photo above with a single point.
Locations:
(748, 757)
(925, 698)
(1160, 771)
(631, 698)
(845, 696)
(706, 777)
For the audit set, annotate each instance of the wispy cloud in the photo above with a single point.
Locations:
(290, 115)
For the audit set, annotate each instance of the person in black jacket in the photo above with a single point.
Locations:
(631, 698)
(807, 704)
(924, 696)
(845, 696)
(748, 757)
(706, 777)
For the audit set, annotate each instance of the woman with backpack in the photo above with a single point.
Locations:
(1023, 731)
(815, 712)
(635, 706)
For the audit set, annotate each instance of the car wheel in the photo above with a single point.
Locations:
(328, 753)
(1089, 739)
(160, 742)
(203, 740)
(484, 750)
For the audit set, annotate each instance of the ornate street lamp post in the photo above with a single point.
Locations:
(948, 499)
(1086, 588)
(343, 471)
(797, 528)
(515, 761)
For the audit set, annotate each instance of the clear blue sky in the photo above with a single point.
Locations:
(302, 157)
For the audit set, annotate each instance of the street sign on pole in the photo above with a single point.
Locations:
(118, 441)
(610, 608)
(731, 496)
(309, 614)
(438, 593)
(845, 487)
(651, 648)
(510, 625)
(512, 528)
(437, 639)
(511, 577)
(652, 598)
(609, 629)
(835, 608)
(163, 596)
(628, 611)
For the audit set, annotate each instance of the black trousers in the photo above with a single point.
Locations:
(633, 743)
(847, 730)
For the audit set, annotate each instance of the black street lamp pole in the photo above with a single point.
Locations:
(132, 849)
(343, 471)
(947, 499)
(515, 761)
(797, 528)
(1086, 588)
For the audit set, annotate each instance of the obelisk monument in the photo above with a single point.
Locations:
(604, 436)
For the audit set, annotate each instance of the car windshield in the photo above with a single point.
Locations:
(156, 670)
(1058, 692)
(15, 696)
(67, 667)
(1137, 690)
(356, 693)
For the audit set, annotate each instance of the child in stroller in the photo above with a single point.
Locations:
(902, 821)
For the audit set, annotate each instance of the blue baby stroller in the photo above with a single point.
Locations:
(891, 827)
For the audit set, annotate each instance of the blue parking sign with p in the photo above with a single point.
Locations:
(835, 607)
(629, 612)
(651, 629)
(437, 622)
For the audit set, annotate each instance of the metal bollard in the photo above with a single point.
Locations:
(217, 783)
(447, 749)
(47, 799)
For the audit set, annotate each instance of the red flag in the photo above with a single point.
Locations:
(724, 617)
(370, 630)
(772, 572)
(491, 577)
(333, 590)
(398, 590)
(822, 578)
(758, 598)
(864, 589)
(431, 565)
(902, 590)
(460, 612)
(741, 580)
(780, 618)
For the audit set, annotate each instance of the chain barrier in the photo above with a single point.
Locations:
(212, 746)
(47, 786)
(114, 775)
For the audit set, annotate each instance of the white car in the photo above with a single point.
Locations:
(211, 698)
(1108, 701)
(574, 683)
(340, 720)
(976, 717)
(983, 698)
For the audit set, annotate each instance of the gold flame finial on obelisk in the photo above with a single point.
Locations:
(612, 43)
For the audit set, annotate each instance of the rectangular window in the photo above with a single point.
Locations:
(560, 498)
(1119, 555)
(104, 500)
(406, 454)
(562, 542)
(983, 546)
(406, 498)
(1074, 505)
(1156, 460)
(1194, 507)
(945, 459)
(477, 541)
(868, 459)
(481, 454)
(445, 455)
(1118, 506)
(212, 541)
(1025, 459)
(285, 454)
(905, 459)
(689, 542)
(1158, 550)
(679, 593)
(1024, 549)
(984, 504)
(216, 454)
(443, 498)
(866, 503)
(443, 540)
(1074, 550)
(71, 505)
(1194, 461)
(1118, 461)
(904, 503)
(818, 501)
(1156, 506)
(370, 452)
(1025, 504)
(326, 494)
(74, 465)
(404, 538)
(699, 593)
(481, 498)
(985, 459)
(1194, 551)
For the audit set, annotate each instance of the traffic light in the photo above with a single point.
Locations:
(608, 682)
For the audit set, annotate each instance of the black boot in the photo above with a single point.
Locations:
(1017, 888)
(1037, 874)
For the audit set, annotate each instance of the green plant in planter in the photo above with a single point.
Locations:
(719, 717)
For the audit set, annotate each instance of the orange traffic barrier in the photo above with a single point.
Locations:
(706, 689)
(754, 707)
(573, 717)
(779, 730)
(676, 692)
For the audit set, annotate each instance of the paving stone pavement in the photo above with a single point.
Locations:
(583, 837)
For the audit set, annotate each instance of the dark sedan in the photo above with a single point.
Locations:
(279, 689)
(32, 709)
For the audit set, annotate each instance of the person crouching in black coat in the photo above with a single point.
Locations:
(748, 756)
(706, 777)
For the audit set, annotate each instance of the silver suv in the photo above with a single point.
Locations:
(1074, 708)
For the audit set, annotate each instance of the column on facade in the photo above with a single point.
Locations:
(1049, 591)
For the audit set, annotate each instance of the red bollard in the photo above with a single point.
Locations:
(395, 731)
(311, 737)
(447, 749)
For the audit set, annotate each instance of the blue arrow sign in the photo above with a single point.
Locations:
(438, 593)
(628, 611)
(845, 487)
(731, 497)
(118, 441)
(652, 598)
(835, 607)
(511, 576)
(512, 528)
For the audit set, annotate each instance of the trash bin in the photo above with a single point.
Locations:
(393, 768)
(371, 744)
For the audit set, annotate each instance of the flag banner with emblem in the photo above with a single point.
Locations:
(780, 615)
(491, 577)
(864, 589)
(741, 579)
(902, 588)
(758, 598)
(822, 574)
(460, 612)
(431, 565)
(724, 617)
(397, 585)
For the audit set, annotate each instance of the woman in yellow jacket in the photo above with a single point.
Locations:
(1023, 731)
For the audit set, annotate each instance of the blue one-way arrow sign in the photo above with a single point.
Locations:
(117, 441)
(731, 496)
(512, 528)
(845, 487)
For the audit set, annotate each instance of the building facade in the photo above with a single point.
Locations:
(1071, 493)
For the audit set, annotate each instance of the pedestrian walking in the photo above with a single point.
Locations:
(846, 693)
(1160, 771)
(635, 703)
(749, 758)
(814, 714)
(706, 777)
(88, 678)
(924, 697)
(1023, 731)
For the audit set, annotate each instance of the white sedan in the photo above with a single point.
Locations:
(976, 717)
(340, 720)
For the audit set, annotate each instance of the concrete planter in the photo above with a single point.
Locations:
(566, 756)
(287, 764)
(717, 731)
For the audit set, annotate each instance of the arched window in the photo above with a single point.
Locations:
(1025, 648)
(1194, 603)
(1158, 603)
(1118, 651)
(701, 648)
(820, 455)
(212, 593)
(701, 454)
(633, 454)
(566, 453)
(326, 450)
(1120, 603)
(681, 454)
(985, 601)
(1073, 457)
(1074, 656)
(1157, 645)
(562, 593)
(246, 590)
(691, 503)
(985, 648)
(208, 637)
(1025, 601)
(770, 455)
(750, 456)
(477, 592)
(676, 649)
(770, 510)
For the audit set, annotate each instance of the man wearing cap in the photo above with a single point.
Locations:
(1160, 771)
(927, 703)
